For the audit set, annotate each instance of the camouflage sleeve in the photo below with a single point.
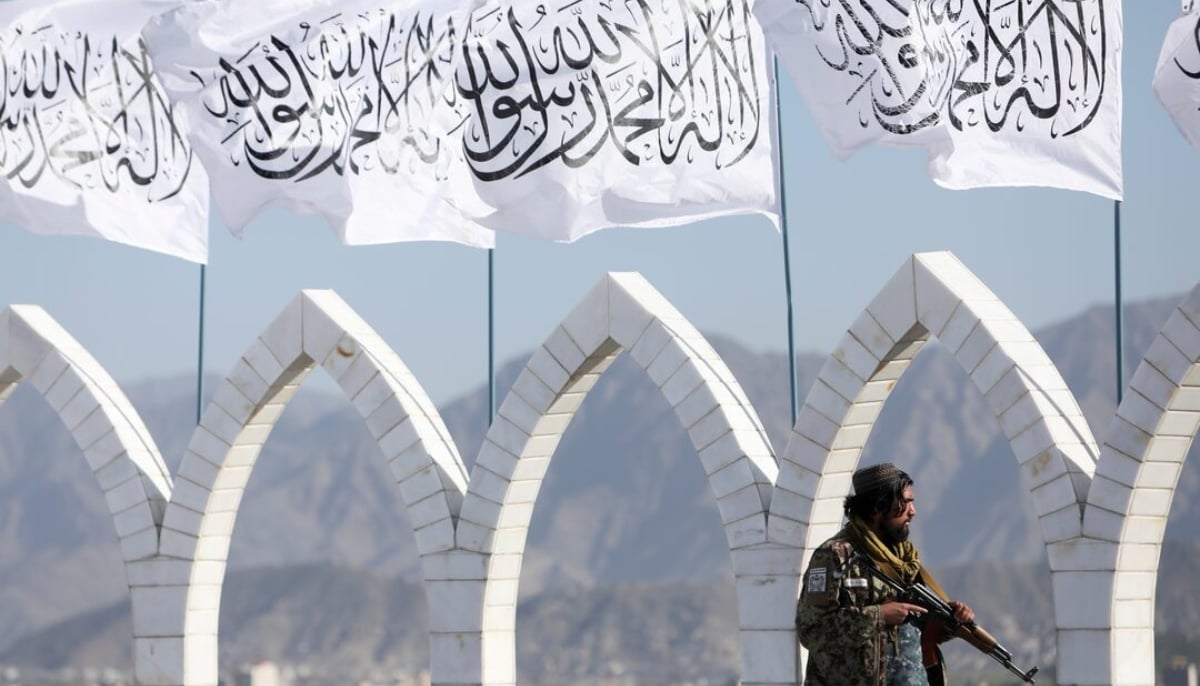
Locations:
(826, 611)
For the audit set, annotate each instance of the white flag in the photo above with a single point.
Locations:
(1023, 93)
(1177, 78)
(586, 114)
(89, 144)
(341, 108)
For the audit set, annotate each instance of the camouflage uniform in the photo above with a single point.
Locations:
(840, 622)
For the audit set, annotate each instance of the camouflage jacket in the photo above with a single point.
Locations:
(839, 619)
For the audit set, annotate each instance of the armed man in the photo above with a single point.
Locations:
(854, 615)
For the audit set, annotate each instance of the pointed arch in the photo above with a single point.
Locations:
(622, 312)
(317, 327)
(118, 448)
(931, 295)
(1126, 513)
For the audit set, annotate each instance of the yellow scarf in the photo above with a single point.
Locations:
(902, 564)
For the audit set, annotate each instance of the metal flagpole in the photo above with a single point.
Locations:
(1117, 281)
(787, 255)
(491, 354)
(200, 353)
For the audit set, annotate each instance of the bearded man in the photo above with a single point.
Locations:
(856, 631)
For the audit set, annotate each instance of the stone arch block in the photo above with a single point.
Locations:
(622, 312)
(931, 295)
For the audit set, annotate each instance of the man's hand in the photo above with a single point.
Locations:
(895, 612)
(962, 613)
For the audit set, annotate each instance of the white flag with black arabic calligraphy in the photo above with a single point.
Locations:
(345, 109)
(89, 143)
(1020, 93)
(1177, 78)
(586, 114)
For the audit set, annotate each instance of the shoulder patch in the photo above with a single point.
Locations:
(817, 580)
(820, 585)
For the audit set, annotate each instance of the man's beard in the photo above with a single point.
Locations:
(895, 534)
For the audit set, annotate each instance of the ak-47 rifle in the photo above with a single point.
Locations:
(920, 594)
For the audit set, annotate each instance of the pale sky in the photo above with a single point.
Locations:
(1048, 254)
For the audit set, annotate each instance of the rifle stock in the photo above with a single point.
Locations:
(920, 594)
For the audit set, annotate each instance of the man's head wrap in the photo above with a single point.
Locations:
(876, 476)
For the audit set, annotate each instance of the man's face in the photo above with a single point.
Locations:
(893, 525)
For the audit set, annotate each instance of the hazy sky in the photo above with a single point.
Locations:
(1048, 254)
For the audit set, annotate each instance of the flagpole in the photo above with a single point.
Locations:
(491, 335)
(787, 254)
(1117, 282)
(200, 352)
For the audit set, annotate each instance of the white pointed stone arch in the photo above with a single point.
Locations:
(1126, 513)
(116, 444)
(932, 294)
(621, 312)
(176, 637)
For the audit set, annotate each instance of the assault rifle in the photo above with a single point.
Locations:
(938, 609)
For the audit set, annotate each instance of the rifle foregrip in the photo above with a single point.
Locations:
(975, 635)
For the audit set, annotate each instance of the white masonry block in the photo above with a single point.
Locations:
(1076, 596)
(701, 402)
(827, 402)
(807, 455)
(1133, 614)
(1084, 657)
(940, 282)
(876, 391)
(1183, 334)
(1135, 585)
(766, 602)
(1138, 557)
(1151, 502)
(1167, 359)
(284, 336)
(652, 342)
(1082, 555)
(688, 378)
(230, 399)
(1102, 525)
(841, 379)
(672, 356)
(1134, 652)
(794, 506)
(1148, 530)
(200, 660)
(587, 325)
(1063, 525)
(1159, 475)
(158, 661)
(499, 658)
(732, 478)
(742, 504)
(857, 358)
(140, 545)
(768, 656)
(264, 363)
(26, 345)
(895, 307)
(815, 428)
(628, 314)
(715, 425)
(962, 324)
(1185, 424)
(565, 350)
(1109, 494)
(158, 610)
